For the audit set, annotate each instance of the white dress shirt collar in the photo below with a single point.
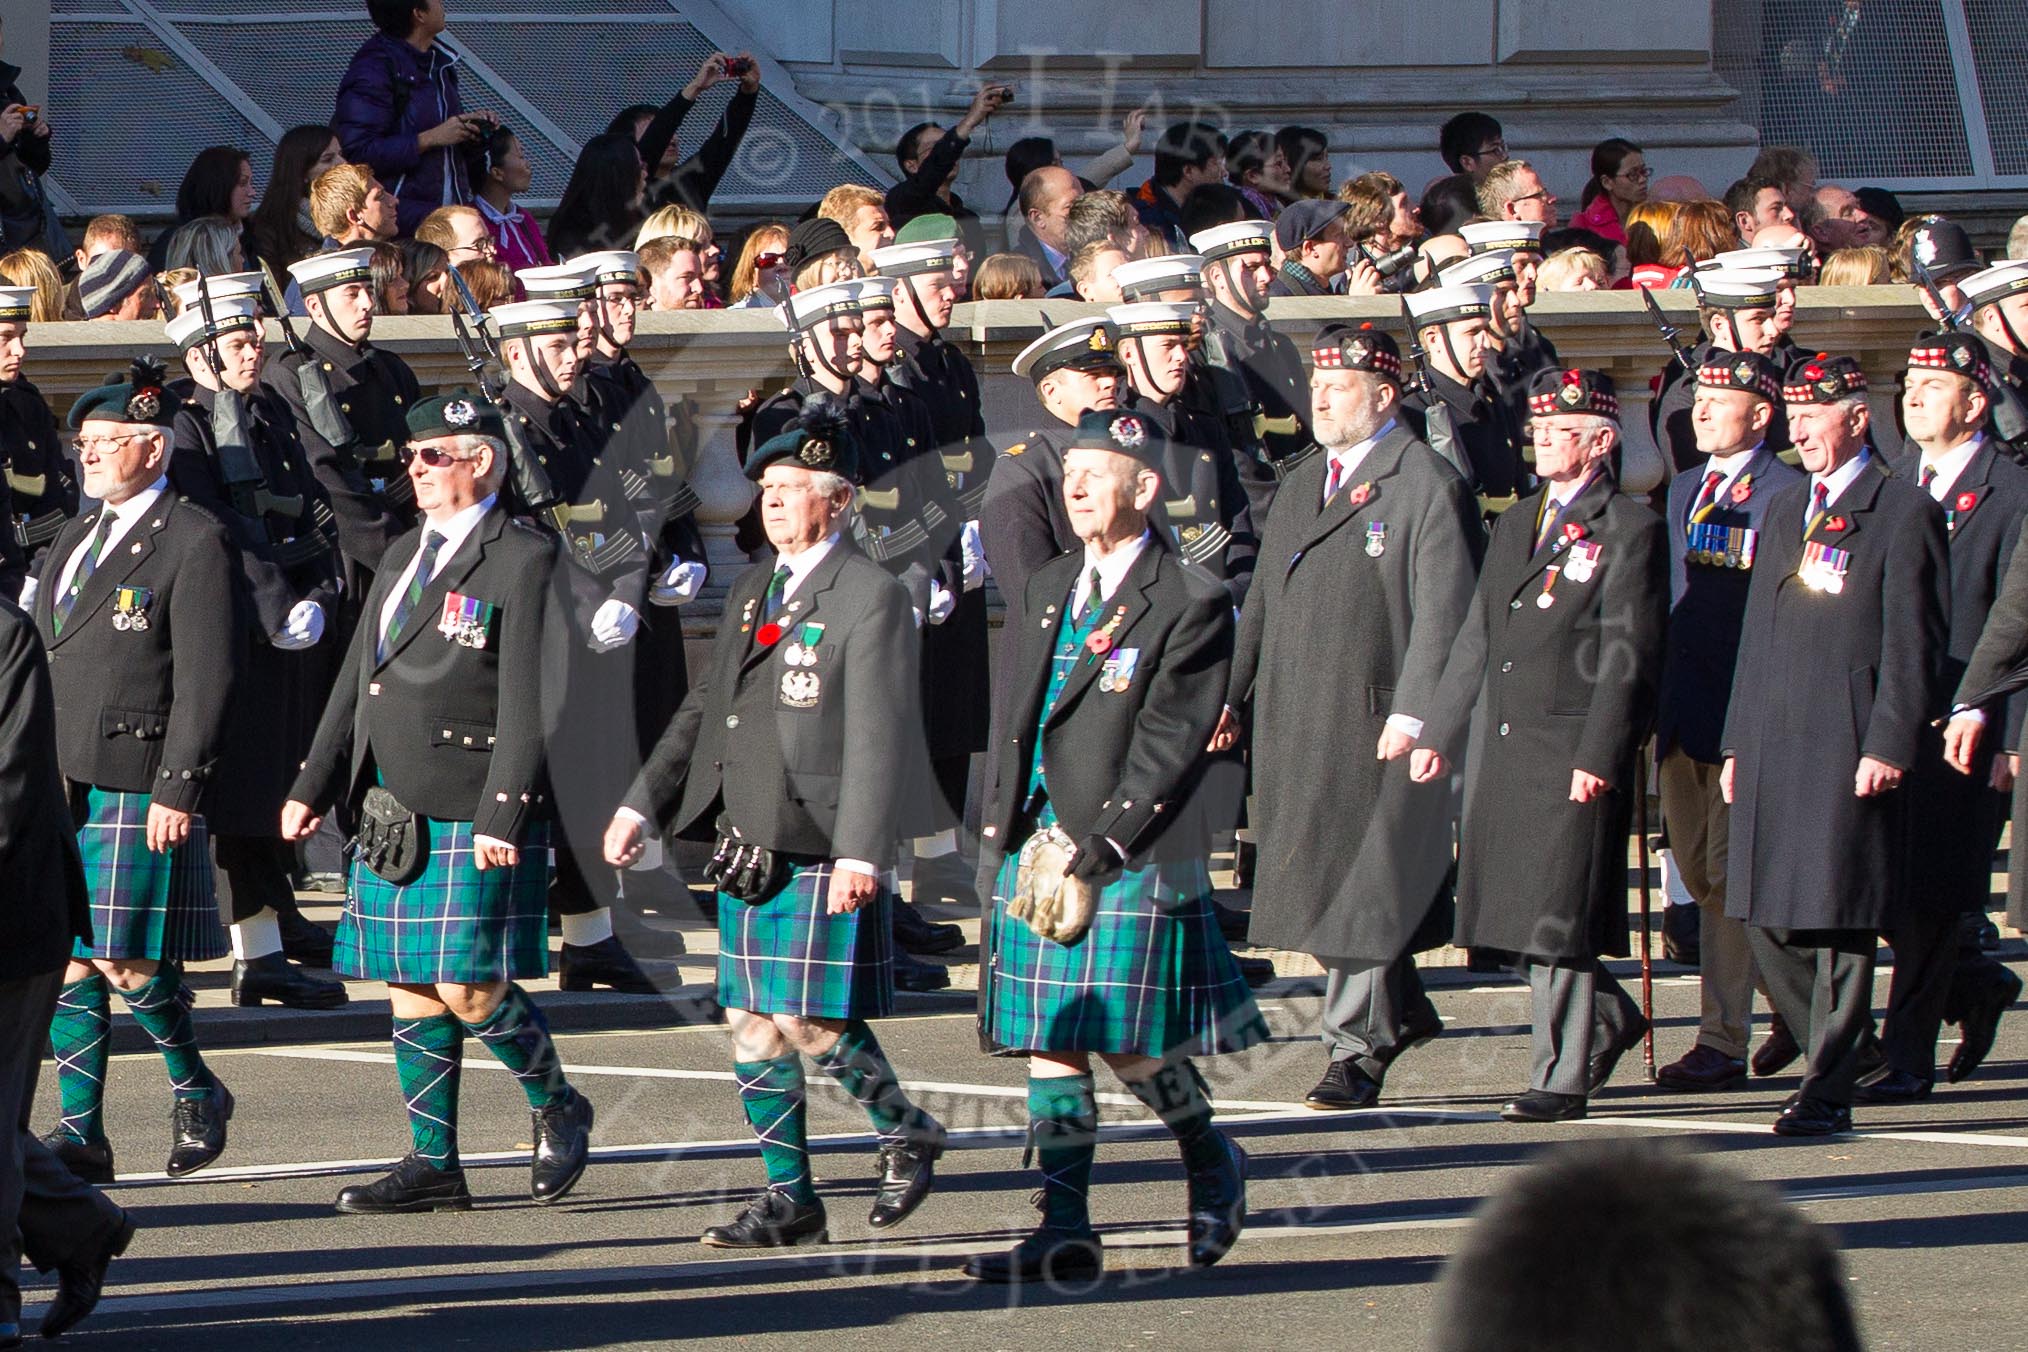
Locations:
(1112, 570)
(1349, 459)
(1840, 479)
(801, 565)
(1949, 466)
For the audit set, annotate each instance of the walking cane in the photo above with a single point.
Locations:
(1647, 966)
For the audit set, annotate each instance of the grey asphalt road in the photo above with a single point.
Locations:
(1352, 1216)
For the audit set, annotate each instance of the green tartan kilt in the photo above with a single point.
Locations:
(785, 955)
(1152, 976)
(456, 922)
(162, 907)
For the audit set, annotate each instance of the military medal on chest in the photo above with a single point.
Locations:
(466, 620)
(1547, 597)
(1118, 672)
(1376, 539)
(802, 649)
(1823, 568)
(130, 608)
(1583, 560)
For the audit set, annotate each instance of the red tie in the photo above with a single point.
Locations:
(1928, 477)
(1707, 494)
(1820, 503)
(1334, 480)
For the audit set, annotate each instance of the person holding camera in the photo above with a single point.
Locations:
(797, 751)
(399, 114)
(24, 158)
(929, 155)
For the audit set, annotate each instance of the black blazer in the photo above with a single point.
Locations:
(1205, 513)
(43, 905)
(1707, 606)
(145, 710)
(820, 760)
(1121, 764)
(454, 730)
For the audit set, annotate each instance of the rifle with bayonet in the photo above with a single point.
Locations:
(526, 476)
(1671, 335)
(245, 486)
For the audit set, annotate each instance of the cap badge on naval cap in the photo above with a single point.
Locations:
(1099, 341)
(460, 413)
(1129, 432)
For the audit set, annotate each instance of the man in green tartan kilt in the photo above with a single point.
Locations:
(1118, 683)
(797, 750)
(432, 742)
(136, 609)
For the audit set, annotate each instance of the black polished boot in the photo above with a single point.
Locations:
(414, 1185)
(562, 1145)
(91, 1161)
(1047, 1256)
(772, 1220)
(303, 940)
(256, 981)
(907, 1172)
(607, 963)
(915, 934)
(910, 974)
(198, 1129)
(1217, 1206)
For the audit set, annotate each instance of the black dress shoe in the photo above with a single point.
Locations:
(255, 981)
(324, 884)
(1047, 1256)
(1539, 1105)
(414, 1185)
(562, 1145)
(1893, 1086)
(1217, 1206)
(583, 967)
(914, 934)
(1703, 1070)
(91, 1161)
(305, 941)
(79, 1282)
(1777, 1052)
(1607, 1059)
(1981, 1024)
(1813, 1117)
(907, 1170)
(1345, 1085)
(1682, 936)
(1257, 972)
(772, 1220)
(198, 1125)
(1231, 923)
(920, 977)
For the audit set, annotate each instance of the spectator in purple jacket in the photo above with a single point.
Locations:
(398, 111)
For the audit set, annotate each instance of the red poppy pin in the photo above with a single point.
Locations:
(1099, 643)
(1836, 523)
(1360, 495)
(1967, 501)
(1573, 531)
(768, 635)
(1741, 491)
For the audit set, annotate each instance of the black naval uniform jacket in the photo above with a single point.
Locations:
(1204, 512)
(45, 903)
(1669, 416)
(1273, 369)
(368, 487)
(450, 722)
(561, 436)
(1023, 522)
(1707, 605)
(815, 761)
(1511, 370)
(1353, 610)
(1473, 429)
(1547, 690)
(1122, 763)
(40, 482)
(2003, 649)
(1836, 677)
(1956, 818)
(145, 710)
(1218, 402)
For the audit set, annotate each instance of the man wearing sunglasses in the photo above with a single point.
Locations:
(436, 726)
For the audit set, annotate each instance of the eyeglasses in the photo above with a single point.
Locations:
(102, 445)
(1640, 175)
(434, 456)
(482, 248)
(1491, 148)
(763, 261)
(1539, 195)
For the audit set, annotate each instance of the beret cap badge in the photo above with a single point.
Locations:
(815, 453)
(146, 404)
(460, 413)
(1129, 432)
(1572, 394)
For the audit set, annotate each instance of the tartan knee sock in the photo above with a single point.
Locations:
(1176, 1095)
(80, 1036)
(156, 1005)
(772, 1094)
(518, 1035)
(1063, 1127)
(861, 1068)
(428, 1054)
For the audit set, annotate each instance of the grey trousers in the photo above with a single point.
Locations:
(1371, 1010)
(1696, 813)
(1821, 983)
(1577, 1010)
(45, 1211)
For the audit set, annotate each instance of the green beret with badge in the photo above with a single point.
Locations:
(136, 398)
(456, 414)
(820, 439)
(1121, 431)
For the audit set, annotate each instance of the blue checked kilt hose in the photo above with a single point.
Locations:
(162, 907)
(1152, 976)
(785, 955)
(456, 922)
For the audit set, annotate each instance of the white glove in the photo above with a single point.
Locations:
(614, 626)
(304, 627)
(29, 586)
(678, 585)
(941, 602)
(974, 551)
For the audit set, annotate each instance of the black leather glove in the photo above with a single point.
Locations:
(1096, 858)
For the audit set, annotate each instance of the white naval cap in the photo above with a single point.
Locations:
(908, 260)
(1489, 268)
(1084, 343)
(531, 318)
(1144, 278)
(1737, 288)
(321, 272)
(1235, 237)
(1444, 304)
(220, 286)
(558, 281)
(1152, 317)
(15, 303)
(1791, 263)
(873, 293)
(806, 309)
(2008, 277)
(228, 314)
(609, 265)
(1487, 236)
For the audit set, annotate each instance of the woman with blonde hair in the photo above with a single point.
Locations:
(1573, 270)
(759, 278)
(32, 267)
(1007, 276)
(1865, 265)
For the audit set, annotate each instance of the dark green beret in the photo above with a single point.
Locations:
(1121, 431)
(819, 439)
(456, 414)
(137, 397)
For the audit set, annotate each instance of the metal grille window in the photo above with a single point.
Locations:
(1905, 94)
(158, 80)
